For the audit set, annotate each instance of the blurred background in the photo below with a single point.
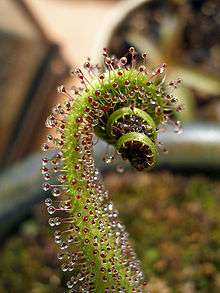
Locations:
(171, 213)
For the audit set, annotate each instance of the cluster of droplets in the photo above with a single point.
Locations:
(94, 246)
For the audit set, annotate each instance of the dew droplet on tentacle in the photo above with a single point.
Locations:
(123, 61)
(48, 201)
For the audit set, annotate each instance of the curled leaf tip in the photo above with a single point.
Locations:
(123, 103)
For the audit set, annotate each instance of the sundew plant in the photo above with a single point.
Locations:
(124, 103)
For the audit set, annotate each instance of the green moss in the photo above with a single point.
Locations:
(175, 236)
